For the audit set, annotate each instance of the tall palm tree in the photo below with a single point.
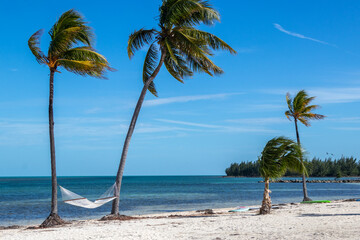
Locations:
(279, 154)
(71, 48)
(301, 110)
(183, 50)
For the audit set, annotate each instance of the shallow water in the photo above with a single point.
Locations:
(27, 200)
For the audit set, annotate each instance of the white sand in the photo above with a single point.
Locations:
(337, 220)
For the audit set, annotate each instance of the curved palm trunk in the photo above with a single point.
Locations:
(53, 218)
(266, 203)
(306, 197)
(119, 175)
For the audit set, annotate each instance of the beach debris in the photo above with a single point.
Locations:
(118, 217)
(206, 211)
(10, 227)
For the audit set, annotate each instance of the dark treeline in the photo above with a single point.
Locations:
(342, 167)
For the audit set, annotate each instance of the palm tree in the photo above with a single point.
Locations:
(301, 110)
(278, 155)
(183, 50)
(71, 48)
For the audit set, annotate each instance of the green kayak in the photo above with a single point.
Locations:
(317, 201)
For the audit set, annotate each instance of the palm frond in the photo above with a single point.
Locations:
(150, 65)
(288, 115)
(179, 69)
(84, 54)
(213, 41)
(300, 109)
(187, 13)
(280, 154)
(34, 45)
(69, 30)
(195, 53)
(83, 68)
(304, 121)
(138, 39)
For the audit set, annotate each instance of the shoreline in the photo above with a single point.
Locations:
(338, 219)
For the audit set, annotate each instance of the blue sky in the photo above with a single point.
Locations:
(199, 127)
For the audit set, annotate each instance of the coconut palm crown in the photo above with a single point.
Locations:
(178, 45)
(70, 48)
(279, 155)
(64, 51)
(183, 48)
(301, 110)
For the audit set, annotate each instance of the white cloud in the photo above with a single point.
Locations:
(219, 128)
(298, 35)
(259, 121)
(336, 95)
(324, 95)
(92, 110)
(346, 119)
(183, 99)
(347, 128)
(189, 123)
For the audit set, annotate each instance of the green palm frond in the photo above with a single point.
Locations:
(304, 121)
(187, 13)
(299, 108)
(83, 68)
(213, 41)
(69, 30)
(288, 114)
(84, 53)
(185, 49)
(138, 39)
(309, 108)
(34, 45)
(64, 51)
(280, 154)
(179, 69)
(195, 53)
(150, 65)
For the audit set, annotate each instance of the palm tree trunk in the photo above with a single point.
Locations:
(119, 175)
(306, 197)
(266, 203)
(53, 218)
(54, 206)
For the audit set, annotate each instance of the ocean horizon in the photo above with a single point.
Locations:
(26, 200)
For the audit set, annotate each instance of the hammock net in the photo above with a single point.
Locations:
(72, 198)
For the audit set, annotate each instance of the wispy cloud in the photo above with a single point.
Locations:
(298, 35)
(346, 119)
(263, 107)
(70, 130)
(347, 128)
(259, 121)
(325, 95)
(183, 99)
(219, 128)
(92, 110)
(189, 123)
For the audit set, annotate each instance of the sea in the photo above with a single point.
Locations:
(26, 200)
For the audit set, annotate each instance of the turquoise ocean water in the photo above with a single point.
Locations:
(26, 200)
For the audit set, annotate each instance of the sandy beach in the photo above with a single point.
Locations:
(336, 220)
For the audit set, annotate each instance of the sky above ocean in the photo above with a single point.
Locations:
(199, 127)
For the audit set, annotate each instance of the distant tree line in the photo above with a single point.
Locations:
(342, 167)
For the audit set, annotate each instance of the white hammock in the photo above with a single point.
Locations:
(72, 198)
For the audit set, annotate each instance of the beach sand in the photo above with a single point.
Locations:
(336, 220)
